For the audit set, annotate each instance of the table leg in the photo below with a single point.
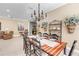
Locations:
(65, 50)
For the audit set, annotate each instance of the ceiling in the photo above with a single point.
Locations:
(24, 10)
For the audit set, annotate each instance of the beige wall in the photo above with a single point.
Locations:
(60, 14)
(12, 24)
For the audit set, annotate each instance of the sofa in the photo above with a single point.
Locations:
(6, 35)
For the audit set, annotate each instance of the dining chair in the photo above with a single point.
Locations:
(37, 47)
(45, 35)
(27, 46)
(54, 36)
(71, 50)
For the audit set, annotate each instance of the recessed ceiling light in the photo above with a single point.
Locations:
(7, 10)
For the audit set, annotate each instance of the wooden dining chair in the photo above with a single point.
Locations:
(72, 48)
(37, 47)
(54, 36)
(27, 46)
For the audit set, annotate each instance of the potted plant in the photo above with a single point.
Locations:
(71, 24)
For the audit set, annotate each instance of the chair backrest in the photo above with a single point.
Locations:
(40, 34)
(25, 39)
(72, 48)
(45, 34)
(11, 33)
(2, 32)
(55, 36)
(37, 47)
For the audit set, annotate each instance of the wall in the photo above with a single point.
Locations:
(12, 24)
(60, 14)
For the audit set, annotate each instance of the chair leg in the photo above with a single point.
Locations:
(33, 49)
(30, 50)
(40, 52)
(26, 50)
(65, 50)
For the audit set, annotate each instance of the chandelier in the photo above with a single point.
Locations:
(39, 15)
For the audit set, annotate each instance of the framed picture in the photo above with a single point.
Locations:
(20, 27)
(44, 25)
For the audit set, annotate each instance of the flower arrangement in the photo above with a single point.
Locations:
(71, 23)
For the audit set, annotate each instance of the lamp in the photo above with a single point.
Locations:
(39, 15)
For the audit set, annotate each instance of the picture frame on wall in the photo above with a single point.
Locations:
(20, 27)
(44, 25)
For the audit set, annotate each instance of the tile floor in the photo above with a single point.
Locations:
(12, 47)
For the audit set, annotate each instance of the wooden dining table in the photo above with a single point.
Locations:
(53, 51)
(52, 48)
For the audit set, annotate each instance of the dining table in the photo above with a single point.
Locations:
(50, 46)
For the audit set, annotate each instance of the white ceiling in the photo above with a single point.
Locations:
(24, 10)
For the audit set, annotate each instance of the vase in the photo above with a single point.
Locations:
(71, 28)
